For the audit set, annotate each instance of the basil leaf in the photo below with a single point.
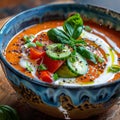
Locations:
(58, 36)
(80, 42)
(55, 76)
(77, 32)
(73, 26)
(86, 54)
(42, 67)
(114, 68)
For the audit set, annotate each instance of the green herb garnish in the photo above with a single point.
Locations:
(107, 54)
(30, 44)
(55, 76)
(100, 59)
(114, 68)
(8, 113)
(59, 48)
(29, 38)
(58, 36)
(86, 54)
(73, 56)
(38, 44)
(42, 67)
(88, 28)
(28, 41)
(28, 67)
(72, 29)
(72, 59)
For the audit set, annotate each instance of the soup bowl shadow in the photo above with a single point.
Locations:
(66, 102)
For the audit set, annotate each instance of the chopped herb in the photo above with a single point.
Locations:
(59, 48)
(107, 54)
(100, 59)
(38, 44)
(73, 53)
(55, 76)
(42, 67)
(28, 39)
(114, 68)
(111, 49)
(88, 28)
(28, 67)
(30, 44)
(31, 37)
(72, 59)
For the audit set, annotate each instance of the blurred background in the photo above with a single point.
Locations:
(12, 7)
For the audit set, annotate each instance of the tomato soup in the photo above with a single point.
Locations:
(59, 53)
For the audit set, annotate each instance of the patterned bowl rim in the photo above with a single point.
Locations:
(32, 80)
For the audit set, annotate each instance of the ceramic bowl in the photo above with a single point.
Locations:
(65, 102)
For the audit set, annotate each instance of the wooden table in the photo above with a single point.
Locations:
(8, 96)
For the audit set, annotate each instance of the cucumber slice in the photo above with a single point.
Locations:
(77, 64)
(65, 72)
(58, 51)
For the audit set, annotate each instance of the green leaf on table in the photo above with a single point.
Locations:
(8, 113)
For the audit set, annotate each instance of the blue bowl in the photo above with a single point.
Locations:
(56, 100)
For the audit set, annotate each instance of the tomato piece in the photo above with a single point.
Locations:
(35, 53)
(45, 76)
(52, 65)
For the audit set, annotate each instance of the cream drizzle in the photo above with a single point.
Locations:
(113, 44)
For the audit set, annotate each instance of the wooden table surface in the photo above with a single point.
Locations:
(8, 96)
